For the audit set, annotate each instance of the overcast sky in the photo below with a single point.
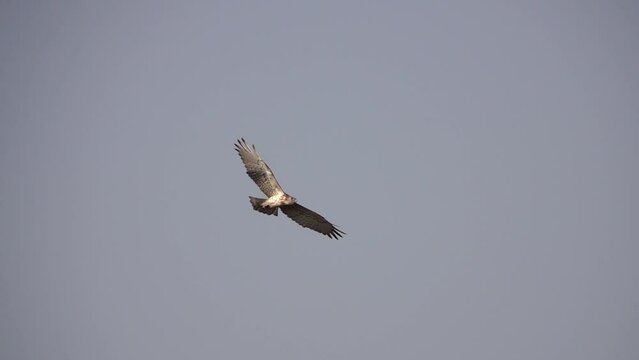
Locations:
(481, 157)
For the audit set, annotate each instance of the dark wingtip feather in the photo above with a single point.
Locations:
(241, 145)
(336, 233)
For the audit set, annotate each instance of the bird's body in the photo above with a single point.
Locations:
(278, 200)
(262, 175)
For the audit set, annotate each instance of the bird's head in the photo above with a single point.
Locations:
(289, 200)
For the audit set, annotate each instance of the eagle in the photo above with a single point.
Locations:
(263, 176)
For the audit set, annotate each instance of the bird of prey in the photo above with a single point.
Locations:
(262, 175)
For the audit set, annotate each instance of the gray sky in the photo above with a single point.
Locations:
(481, 156)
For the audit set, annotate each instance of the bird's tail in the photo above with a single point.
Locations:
(257, 205)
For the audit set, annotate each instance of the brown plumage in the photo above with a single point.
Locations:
(263, 176)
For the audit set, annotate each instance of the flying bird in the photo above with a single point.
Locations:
(263, 176)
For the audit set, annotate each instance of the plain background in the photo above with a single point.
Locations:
(481, 156)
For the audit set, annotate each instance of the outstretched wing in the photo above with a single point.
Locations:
(257, 169)
(312, 220)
